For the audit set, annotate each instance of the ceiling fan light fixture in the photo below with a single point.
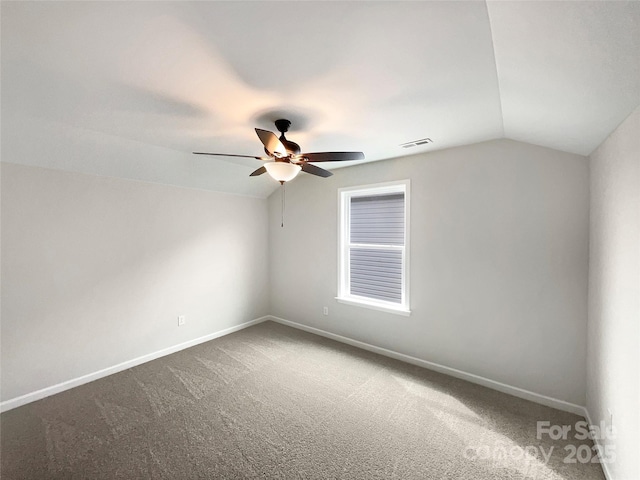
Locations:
(286, 159)
(282, 171)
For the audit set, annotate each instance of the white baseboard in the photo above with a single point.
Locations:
(75, 382)
(485, 382)
(596, 440)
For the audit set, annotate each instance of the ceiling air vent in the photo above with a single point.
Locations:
(415, 143)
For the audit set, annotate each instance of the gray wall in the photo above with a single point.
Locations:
(614, 293)
(499, 259)
(96, 270)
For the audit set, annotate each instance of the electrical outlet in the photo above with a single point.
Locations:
(181, 320)
(325, 310)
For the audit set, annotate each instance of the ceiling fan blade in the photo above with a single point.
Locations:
(313, 170)
(231, 155)
(257, 172)
(332, 156)
(271, 143)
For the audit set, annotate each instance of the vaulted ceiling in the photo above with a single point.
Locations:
(129, 89)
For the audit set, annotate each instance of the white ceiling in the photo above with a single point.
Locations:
(129, 89)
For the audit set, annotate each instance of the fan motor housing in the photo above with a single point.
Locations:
(292, 147)
(283, 126)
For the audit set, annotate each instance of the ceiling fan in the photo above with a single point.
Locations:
(284, 160)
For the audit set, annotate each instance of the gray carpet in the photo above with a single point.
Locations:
(273, 402)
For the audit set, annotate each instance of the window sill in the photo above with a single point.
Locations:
(374, 306)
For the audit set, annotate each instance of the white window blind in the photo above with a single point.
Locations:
(376, 246)
(373, 246)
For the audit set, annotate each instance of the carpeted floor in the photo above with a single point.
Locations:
(274, 402)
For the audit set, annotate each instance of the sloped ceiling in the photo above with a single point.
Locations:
(129, 89)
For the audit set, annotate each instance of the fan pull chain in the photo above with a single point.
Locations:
(283, 204)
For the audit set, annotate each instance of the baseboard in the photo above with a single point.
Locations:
(76, 382)
(485, 382)
(596, 440)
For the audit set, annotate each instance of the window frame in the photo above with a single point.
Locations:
(344, 208)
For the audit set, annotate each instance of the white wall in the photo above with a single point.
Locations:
(95, 271)
(614, 293)
(499, 259)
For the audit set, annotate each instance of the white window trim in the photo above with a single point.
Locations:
(344, 197)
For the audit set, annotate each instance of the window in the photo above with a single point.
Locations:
(374, 253)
